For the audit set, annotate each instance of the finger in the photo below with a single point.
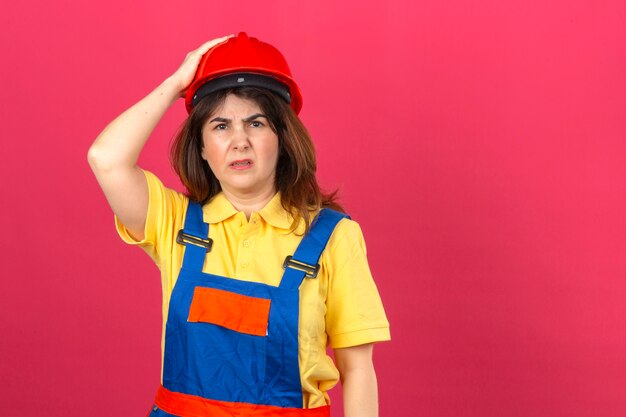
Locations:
(210, 44)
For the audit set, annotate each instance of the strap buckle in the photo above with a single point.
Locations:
(185, 238)
(310, 270)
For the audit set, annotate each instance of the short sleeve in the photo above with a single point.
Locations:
(166, 208)
(354, 310)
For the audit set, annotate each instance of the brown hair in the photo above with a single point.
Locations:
(295, 170)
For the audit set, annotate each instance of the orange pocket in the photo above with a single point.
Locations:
(234, 311)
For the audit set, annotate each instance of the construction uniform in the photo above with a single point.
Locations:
(242, 334)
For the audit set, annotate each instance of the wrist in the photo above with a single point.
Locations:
(170, 89)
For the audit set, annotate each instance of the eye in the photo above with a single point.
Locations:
(256, 123)
(220, 126)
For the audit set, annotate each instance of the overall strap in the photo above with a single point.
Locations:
(304, 261)
(195, 237)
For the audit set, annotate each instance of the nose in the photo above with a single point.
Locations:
(240, 139)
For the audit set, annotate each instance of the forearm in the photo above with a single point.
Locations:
(113, 156)
(121, 142)
(360, 392)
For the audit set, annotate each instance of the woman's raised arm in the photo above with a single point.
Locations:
(113, 155)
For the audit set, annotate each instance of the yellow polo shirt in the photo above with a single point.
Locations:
(340, 308)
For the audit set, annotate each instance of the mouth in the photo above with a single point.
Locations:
(242, 163)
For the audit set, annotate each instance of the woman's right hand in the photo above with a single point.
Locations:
(184, 75)
(113, 155)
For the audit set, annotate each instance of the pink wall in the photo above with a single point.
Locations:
(481, 145)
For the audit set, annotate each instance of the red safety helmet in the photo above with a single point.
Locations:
(243, 61)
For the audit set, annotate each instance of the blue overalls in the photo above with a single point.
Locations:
(231, 346)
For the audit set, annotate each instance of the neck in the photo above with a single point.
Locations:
(249, 202)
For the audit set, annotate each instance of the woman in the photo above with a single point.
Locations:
(259, 273)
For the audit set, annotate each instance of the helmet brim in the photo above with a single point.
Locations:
(241, 79)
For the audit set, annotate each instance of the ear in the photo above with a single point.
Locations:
(202, 154)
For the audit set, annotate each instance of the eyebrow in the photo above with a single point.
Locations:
(246, 120)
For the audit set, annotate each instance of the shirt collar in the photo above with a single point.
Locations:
(274, 213)
(219, 209)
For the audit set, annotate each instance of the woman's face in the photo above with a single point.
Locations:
(241, 148)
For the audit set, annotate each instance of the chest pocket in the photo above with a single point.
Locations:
(233, 311)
